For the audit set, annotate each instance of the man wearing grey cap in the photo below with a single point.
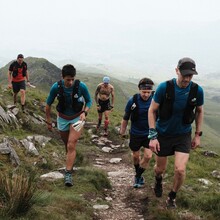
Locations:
(175, 105)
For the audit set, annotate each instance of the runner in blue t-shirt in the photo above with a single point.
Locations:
(74, 102)
(137, 111)
(170, 134)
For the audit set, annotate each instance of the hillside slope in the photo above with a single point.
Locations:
(44, 73)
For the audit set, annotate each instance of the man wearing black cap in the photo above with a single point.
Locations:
(137, 111)
(17, 74)
(180, 102)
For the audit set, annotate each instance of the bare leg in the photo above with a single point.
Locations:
(15, 97)
(22, 97)
(71, 147)
(144, 163)
(181, 160)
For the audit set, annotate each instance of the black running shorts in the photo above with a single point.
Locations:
(17, 86)
(105, 105)
(170, 144)
(136, 142)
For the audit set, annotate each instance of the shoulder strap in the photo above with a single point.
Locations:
(135, 103)
(134, 108)
(166, 106)
(60, 88)
(170, 91)
(76, 87)
(192, 98)
(189, 112)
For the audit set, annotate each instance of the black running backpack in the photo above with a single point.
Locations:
(76, 105)
(166, 107)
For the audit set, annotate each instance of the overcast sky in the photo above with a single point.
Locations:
(143, 35)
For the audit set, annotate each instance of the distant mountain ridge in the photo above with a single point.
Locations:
(42, 72)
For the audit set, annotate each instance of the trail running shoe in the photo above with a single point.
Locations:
(138, 182)
(171, 203)
(141, 181)
(68, 179)
(158, 189)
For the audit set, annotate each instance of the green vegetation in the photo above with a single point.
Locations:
(34, 198)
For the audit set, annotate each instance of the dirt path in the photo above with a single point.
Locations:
(126, 202)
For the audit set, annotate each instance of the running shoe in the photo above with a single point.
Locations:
(68, 179)
(141, 181)
(171, 203)
(138, 182)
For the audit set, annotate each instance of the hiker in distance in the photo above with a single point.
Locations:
(137, 111)
(179, 101)
(102, 98)
(74, 102)
(17, 74)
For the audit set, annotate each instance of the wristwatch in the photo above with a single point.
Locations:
(198, 133)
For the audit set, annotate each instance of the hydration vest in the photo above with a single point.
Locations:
(76, 104)
(135, 107)
(16, 66)
(166, 107)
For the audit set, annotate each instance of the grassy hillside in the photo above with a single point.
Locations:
(51, 200)
(43, 74)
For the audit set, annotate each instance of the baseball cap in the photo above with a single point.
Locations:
(106, 79)
(187, 66)
(20, 56)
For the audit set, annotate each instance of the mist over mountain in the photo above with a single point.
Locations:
(135, 49)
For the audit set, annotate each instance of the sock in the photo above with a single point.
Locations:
(106, 124)
(140, 171)
(68, 171)
(158, 179)
(172, 194)
(136, 166)
(99, 122)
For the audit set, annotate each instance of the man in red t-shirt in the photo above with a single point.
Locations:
(17, 74)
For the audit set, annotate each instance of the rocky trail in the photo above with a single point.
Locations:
(125, 201)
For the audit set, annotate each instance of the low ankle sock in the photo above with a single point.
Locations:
(172, 194)
(136, 166)
(68, 171)
(99, 122)
(158, 179)
(140, 171)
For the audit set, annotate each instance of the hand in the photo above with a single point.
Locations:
(49, 126)
(82, 116)
(28, 83)
(154, 146)
(112, 107)
(195, 142)
(98, 107)
(123, 136)
(10, 86)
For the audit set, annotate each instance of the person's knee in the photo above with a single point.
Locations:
(147, 157)
(22, 92)
(159, 169)
(180, 172)
(71, 145)
(136, 157)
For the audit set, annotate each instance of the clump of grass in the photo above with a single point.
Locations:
(16, 193)
(96, 177)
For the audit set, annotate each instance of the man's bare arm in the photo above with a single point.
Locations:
(113, 96)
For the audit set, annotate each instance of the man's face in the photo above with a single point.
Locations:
(68, 81)
(20, 60)
(183, 80)
(105, 84)
(145, 94)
